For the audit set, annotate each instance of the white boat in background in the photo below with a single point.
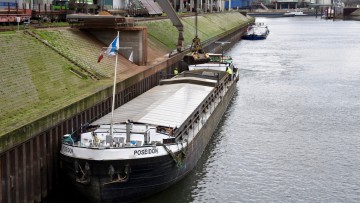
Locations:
(295, 13)
(258, 31)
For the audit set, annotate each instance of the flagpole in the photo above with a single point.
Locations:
(113, 99)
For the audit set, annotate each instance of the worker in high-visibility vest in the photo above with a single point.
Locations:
(229, 71)
(176, 71)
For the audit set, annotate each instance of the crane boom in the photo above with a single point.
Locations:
(169, 10)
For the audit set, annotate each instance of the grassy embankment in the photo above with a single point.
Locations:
(35, 80)
(162, 32)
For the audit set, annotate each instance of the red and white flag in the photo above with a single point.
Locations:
(111, 50)
(101, 56)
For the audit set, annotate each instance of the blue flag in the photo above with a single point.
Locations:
(111, 50)
(113, 47)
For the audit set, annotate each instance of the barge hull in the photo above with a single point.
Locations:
(147, 176)
(131, 179)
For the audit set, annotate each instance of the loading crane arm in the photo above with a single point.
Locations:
(170, 11)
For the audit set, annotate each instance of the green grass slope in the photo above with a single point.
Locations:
(209, 25)
(35, 80)
(79, 47)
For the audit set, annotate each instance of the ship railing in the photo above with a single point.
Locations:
(204, 110)
(198, 118)
(119, 142)
(199, 75)
(195, 116)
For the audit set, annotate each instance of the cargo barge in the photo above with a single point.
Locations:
(155, 140)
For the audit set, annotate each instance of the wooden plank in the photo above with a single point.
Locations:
(2, 179)
(58, 130)
(24, 167)
(8, 188)
(30, 172)
(43, 164)
(77, 121)
(37, 177)
(16, 175)
(51, 153)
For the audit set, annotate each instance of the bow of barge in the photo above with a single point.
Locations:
(157, 139)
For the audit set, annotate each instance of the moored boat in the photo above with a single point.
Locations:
(218, 62)
(258, 31)
(154, 140)
(271, 14)
(295, 13)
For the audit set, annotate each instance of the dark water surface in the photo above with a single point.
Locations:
(292, 133)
